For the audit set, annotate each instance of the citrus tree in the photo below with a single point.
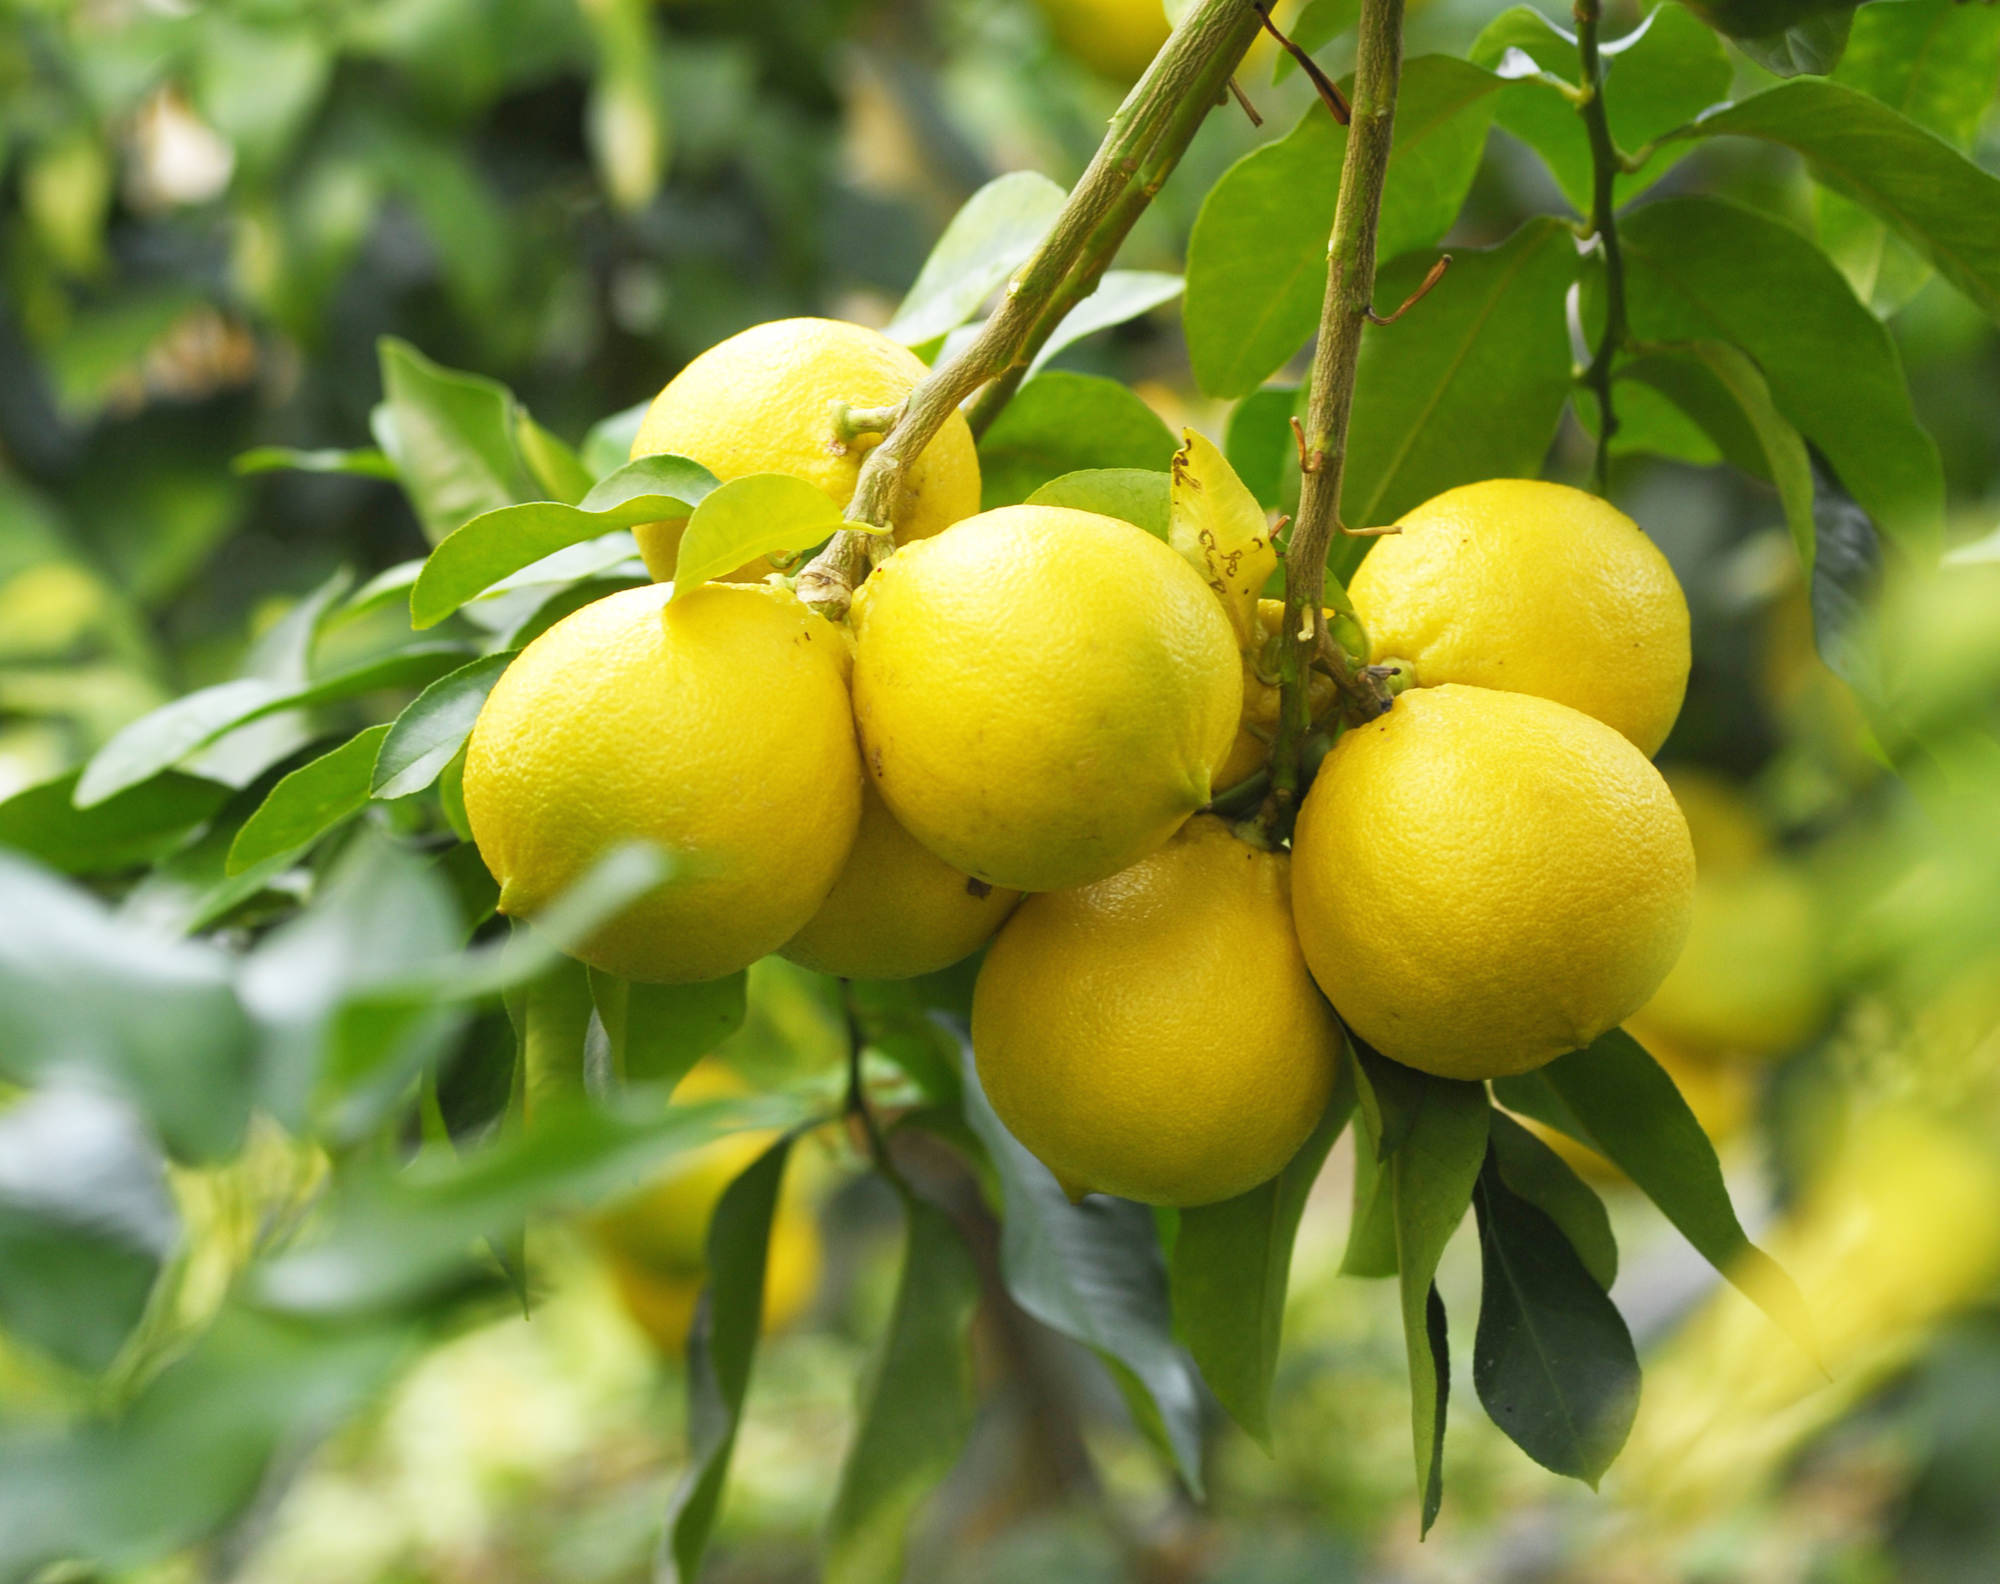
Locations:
(874, 648)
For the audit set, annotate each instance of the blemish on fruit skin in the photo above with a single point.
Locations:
(977, 888)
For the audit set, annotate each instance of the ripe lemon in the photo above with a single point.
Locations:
(1157, 1035)
(1484, 880)
(657, 1239)
(897, 911)
(716, 726)
(763, 402)
(1043, 694)
(1533, 588)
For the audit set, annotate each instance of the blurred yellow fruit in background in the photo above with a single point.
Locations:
(1534, 588)
(1043, 694)
(1156, 1035)
(764, 402)
(716, 726)
(1484, 881)
(897, 911)
(1117, 38)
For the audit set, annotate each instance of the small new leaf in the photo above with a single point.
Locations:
(760, 514)
(1217, 525)
(308, 803)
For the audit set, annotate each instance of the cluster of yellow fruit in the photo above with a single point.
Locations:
(1014, 737)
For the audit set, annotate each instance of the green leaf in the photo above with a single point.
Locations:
(1316, 26)
(308, 803)
(916, 1406)
(364, 463)
(1139, 496)
(657, 1032)
(1934, 61)
(502, 542)
(1469, 385)
(760, 514)
(1121, 296)
(1260, 446)
(1431, 1176)
(89, 998)
(1231, 1265)
(451, 437)
(389, 1238)
(134, 827)
(1657, 77)
(990, 237)
(552, 464)
(433, 727)
(1371, 1227)
(1093, 1272)
(1846, 580)
(1257, 255)
(1544, 1179)
(1724, 392)
(1813, 45)
(608, 445)
(1061, 422)
(86, 1222)
(1637, 1119)
(1945, 206)
(721, 1350)
(1796, 316)
(1552, 1360)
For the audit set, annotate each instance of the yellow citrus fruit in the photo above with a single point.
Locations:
(897, 911)
(1156, 1035)
(1484, 880)
(1533, 588)
(656, 1240)
(716, 726)
(1728, 833)
(763, 402)
(1043, 694)
(1117, 38)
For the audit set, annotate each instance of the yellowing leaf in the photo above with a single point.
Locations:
(1217, 524)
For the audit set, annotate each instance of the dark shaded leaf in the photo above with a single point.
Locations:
(1259, 444)
(137, 826)
(916, 1405)
(1059, 423)
(1812, 46)
(657, 1032)
(1552, 1359)
(1536, 1173)
(1231, 1266)
(1846, 571)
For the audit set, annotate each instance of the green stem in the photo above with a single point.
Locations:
(1605, 164)
(1350, 292)
(1145, 140)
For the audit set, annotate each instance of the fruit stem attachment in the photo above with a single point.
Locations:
(1605, 164)
(1349, 301)
(1146, 139)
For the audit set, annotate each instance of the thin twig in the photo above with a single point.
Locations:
(1431, 278)
(857, 1106)
(1605, 164)
(1329, 94)
(1147, 135)
(1350, 290)
(1243, 100)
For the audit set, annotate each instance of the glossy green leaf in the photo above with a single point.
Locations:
(1371, 1225)
(86, 1222)
(1552, 1359)
(657, 1032)
(916, 1405)
(1058, 423)
(1945, 206)
(136, 826)
(1537, 1174)
(1637, 1119)
(1726, 394)
(1139, 496)
(1093, 1271)
(451, 437)
(308, 803)
(433, 727)
(1431, 1176)
(175, 732)
(1318, 24)
(502, 542)
(550, 462)
(1846, 584)
(1257, 256)
(89, 998)
(1686, 282)
(988, 239)
(364, 463)
(1811, 46)
(1121, 296)
(760, 514)
(1230, 1270)
(1470, 384)
(608, 445)
(1934, 61)
(1261, 447)
(722, 1347)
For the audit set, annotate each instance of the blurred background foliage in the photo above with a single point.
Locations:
(209, 214)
